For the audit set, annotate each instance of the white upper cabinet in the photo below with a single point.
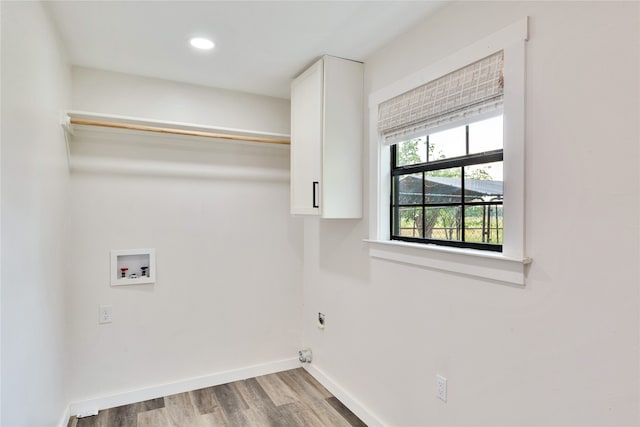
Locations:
(326, 139)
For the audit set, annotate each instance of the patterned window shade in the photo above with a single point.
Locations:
(475, 89)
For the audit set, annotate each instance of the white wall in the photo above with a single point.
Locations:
(129, 95)
(35, 88)
(229, 265)
(563, 350)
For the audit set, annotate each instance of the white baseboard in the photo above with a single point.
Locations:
(64, 420)
(127, 397)
(343, 396)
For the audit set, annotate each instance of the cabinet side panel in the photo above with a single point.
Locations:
(342, 148)
(306, 140)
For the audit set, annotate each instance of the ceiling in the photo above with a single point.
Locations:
(260, 46)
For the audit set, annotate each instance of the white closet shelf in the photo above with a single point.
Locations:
(73, 120)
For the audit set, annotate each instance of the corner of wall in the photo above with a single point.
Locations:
(35, 82)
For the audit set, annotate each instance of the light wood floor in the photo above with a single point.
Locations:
(290, 398)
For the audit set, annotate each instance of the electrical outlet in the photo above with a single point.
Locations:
(104, 314)
(441, 387)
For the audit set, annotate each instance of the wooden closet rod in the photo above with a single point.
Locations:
(177, 131)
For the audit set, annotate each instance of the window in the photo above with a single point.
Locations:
(447, 187)
(443, 176)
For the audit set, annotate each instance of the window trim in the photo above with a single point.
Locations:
(512, 41)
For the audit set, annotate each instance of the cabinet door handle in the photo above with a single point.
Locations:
(315, 200)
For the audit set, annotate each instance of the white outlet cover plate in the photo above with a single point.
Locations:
(104, 314)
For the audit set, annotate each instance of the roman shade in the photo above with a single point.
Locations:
(469, 91)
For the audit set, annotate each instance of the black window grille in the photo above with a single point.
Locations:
(451, 199)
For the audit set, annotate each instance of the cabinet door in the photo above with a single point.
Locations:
(342, 139)
(306, 141)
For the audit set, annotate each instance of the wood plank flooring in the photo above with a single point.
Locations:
(286, 399)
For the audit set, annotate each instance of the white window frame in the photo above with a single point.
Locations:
(508, 266)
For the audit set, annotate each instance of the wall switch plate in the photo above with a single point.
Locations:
(441, 387)
(104, 314)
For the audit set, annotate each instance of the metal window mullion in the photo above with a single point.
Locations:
(427, 142)
(430, 205)
(489, 224)
(463, 198)
(424, 201)
(394, 208)
(467, 140)
(463, 204)
(484, 224)
(473, 159)
(453, 243)
(497, 224)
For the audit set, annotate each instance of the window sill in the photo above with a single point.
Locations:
(470, 262)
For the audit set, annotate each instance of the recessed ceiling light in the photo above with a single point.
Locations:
(201, 43)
